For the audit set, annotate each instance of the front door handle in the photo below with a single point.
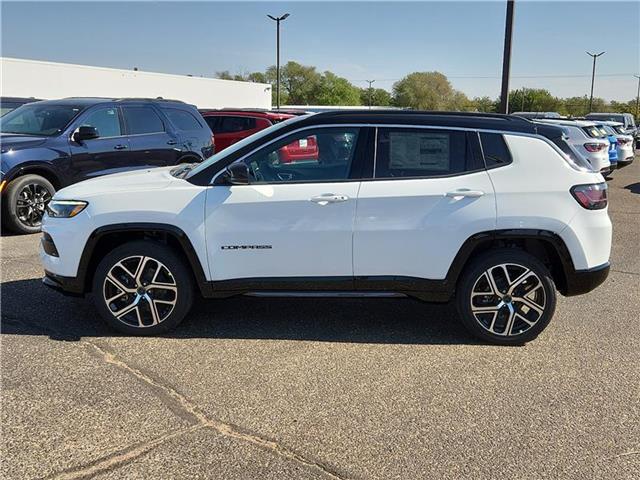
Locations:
(327, 198)
(465, 192)
(120, 147)
(172, 142)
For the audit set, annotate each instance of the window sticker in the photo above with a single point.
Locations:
(419, 151)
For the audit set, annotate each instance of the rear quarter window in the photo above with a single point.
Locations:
(495, 150)
(182, 119)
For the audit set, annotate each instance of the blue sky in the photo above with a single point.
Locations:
(358, 40)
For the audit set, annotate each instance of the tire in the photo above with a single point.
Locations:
(24, 203)
(134, 297)
(525, 303)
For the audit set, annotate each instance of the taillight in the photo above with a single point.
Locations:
(623, 141)
(592, 196)
(595, 147)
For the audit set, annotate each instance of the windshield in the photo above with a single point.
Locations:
(593, 132)
(39, 119)
(241, 144)
(619, 129)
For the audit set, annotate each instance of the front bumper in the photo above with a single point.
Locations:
(69, 286)
(583, 281)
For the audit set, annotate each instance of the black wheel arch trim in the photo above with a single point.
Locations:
(80, 285)
(33, 168)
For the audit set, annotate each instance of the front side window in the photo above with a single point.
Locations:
(35, 119)
(418, 152)
(105, 120)
(141, 120)
(313, 155)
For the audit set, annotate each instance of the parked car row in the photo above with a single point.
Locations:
(486, 210)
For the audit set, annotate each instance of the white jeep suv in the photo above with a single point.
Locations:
(486, 209)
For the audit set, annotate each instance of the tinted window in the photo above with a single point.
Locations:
(211, 121)
(234, 124)
(182, 119)
(38, 119)
(141, 120)
(593, 132)
(419, 152)
(495, 150)
(569, 152)
(106, 120)
(322, 154)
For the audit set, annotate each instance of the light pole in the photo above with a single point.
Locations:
(278, 20)
(506, 58)
(593, 76)
(638, 100)
(370, 82)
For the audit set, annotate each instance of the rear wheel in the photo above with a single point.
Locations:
(25, 202)
(506, 297)
(143, 288)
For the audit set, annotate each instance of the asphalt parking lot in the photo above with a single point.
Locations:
(305, 388)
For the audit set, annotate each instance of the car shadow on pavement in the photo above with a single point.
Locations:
(29, 308)
(633, 187)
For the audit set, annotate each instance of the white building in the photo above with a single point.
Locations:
(49, 80)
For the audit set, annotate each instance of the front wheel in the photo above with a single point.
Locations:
(24, 203)
(143, 288)
(506, 297)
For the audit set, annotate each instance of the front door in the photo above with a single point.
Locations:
(294, 221)
(109, 153)
(430, 193)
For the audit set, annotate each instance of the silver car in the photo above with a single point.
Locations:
(625, 142)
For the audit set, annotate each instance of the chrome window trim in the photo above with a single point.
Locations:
(393, 125)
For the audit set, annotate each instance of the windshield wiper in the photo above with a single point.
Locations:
(182, 170)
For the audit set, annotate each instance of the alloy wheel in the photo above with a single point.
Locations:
(140, 291)
(508, 299)
(31, 203)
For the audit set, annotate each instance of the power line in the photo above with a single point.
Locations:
(514, 76)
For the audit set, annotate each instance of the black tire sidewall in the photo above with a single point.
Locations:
(473, 272)
(162, 253)
(10, 218)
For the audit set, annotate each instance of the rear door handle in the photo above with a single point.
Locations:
(327, 198)
(465, 192)
(120, 147)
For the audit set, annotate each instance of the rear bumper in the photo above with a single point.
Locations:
(583, 281)
(69, 286)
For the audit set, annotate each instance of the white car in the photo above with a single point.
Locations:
(484, 209)
(588, 141)
(625, 142)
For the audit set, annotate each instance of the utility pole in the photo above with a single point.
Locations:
(593, 76)
(278, 20)
(506, 58)
(638, 100)
(523, 90)
(370, 90)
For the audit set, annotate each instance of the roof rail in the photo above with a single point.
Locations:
(497, 116)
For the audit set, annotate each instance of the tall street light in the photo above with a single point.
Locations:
(506, 58)
(278, 20)
(370, 82)
(638, 100)
(593, 76)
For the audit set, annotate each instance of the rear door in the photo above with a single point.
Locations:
(430, 192)
(152, 143)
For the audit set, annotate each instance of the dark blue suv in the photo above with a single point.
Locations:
(51, 144)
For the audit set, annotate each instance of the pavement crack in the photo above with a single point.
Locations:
(225, 429)
(118, 458)
(626, 273)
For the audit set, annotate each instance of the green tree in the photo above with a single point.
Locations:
(532, 100)
(335, 90)
(299, 84)
(428, 91)
(485, 104)
(379, 97)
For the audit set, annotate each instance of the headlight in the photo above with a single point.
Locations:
(65, 208)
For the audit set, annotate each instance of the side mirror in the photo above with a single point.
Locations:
(235, 174)
(85, 133)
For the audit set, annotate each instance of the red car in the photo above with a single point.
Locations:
(229, 126)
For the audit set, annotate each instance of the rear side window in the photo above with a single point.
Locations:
(593, 132)
(182, 119)
(105, 120)
(495, 150)
(141, 120)
(418, 152)
(233, 124)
